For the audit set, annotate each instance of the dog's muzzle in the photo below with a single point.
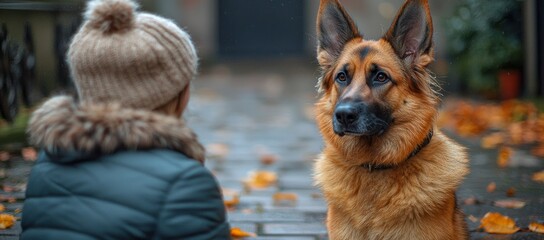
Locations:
(359, 119)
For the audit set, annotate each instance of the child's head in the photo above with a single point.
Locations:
(138, 59)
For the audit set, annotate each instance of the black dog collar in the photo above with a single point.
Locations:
(425, 142)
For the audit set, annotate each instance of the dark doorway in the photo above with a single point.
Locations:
(261, 28)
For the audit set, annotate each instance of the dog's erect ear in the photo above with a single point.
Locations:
(411, 33)
(334, 29)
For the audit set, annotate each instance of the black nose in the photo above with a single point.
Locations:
(346, 114)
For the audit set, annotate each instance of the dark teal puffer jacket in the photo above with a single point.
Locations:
(95, 181)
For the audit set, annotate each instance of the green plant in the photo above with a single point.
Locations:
(485, 36)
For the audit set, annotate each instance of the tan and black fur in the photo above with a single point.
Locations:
(387, 171)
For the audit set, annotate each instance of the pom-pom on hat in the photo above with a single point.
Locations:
(137, 59)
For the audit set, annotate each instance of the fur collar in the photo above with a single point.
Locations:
(62, 124)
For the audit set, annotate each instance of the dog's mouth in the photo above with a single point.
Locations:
(375, 132)
(358, 134)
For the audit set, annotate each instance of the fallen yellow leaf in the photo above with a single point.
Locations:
(285, 198)
(6, 221)
(505, 154)
(538, 176)
(492, 140)
(261, 179)
(536, 227)
(231, 198)
(494, 222)
(2, 208)
(239, 233)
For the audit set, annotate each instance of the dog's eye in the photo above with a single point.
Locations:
(341, 77)
(381, 77)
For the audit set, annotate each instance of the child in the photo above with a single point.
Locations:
(120, 163)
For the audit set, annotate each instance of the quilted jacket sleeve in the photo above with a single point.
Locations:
(193, 208)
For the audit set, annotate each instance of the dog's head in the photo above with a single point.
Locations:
(374, 88)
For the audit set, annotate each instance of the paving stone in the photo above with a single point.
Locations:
(301, 182)
(2, 237)
(276, 216)
(317, 217)
(265, 201)
(294, 229)
(302, 205)
(268, 192)
(281, 238)
(517, 236)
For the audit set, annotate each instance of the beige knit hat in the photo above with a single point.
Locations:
(137, 59)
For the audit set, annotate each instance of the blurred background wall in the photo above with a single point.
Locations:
(225, 30)
(217, 26)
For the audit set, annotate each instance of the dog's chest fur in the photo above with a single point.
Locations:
(393, 203)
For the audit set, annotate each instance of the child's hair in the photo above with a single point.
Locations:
(171, 106)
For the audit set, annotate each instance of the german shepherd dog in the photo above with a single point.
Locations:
(386, 171)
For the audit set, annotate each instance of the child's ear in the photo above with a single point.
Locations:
(334, 29)
(411, 33)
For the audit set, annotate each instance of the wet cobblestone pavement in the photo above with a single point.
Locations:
(257, 116)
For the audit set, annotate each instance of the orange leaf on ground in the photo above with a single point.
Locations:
(29, 154)
(239, 233)
(494, 222)
(492, 140)
(231, 198)
(510, 192)
(491, 187)
(268, 159)
(536, 227)
(538, 176)
(285, 198)
(6, 221)
(515, 131)
(4, 156)
(510, 203)
(261, 179)
(2, 208)
(505, 154)
(538, 150)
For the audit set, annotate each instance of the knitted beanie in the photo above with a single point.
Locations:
(137, 59)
